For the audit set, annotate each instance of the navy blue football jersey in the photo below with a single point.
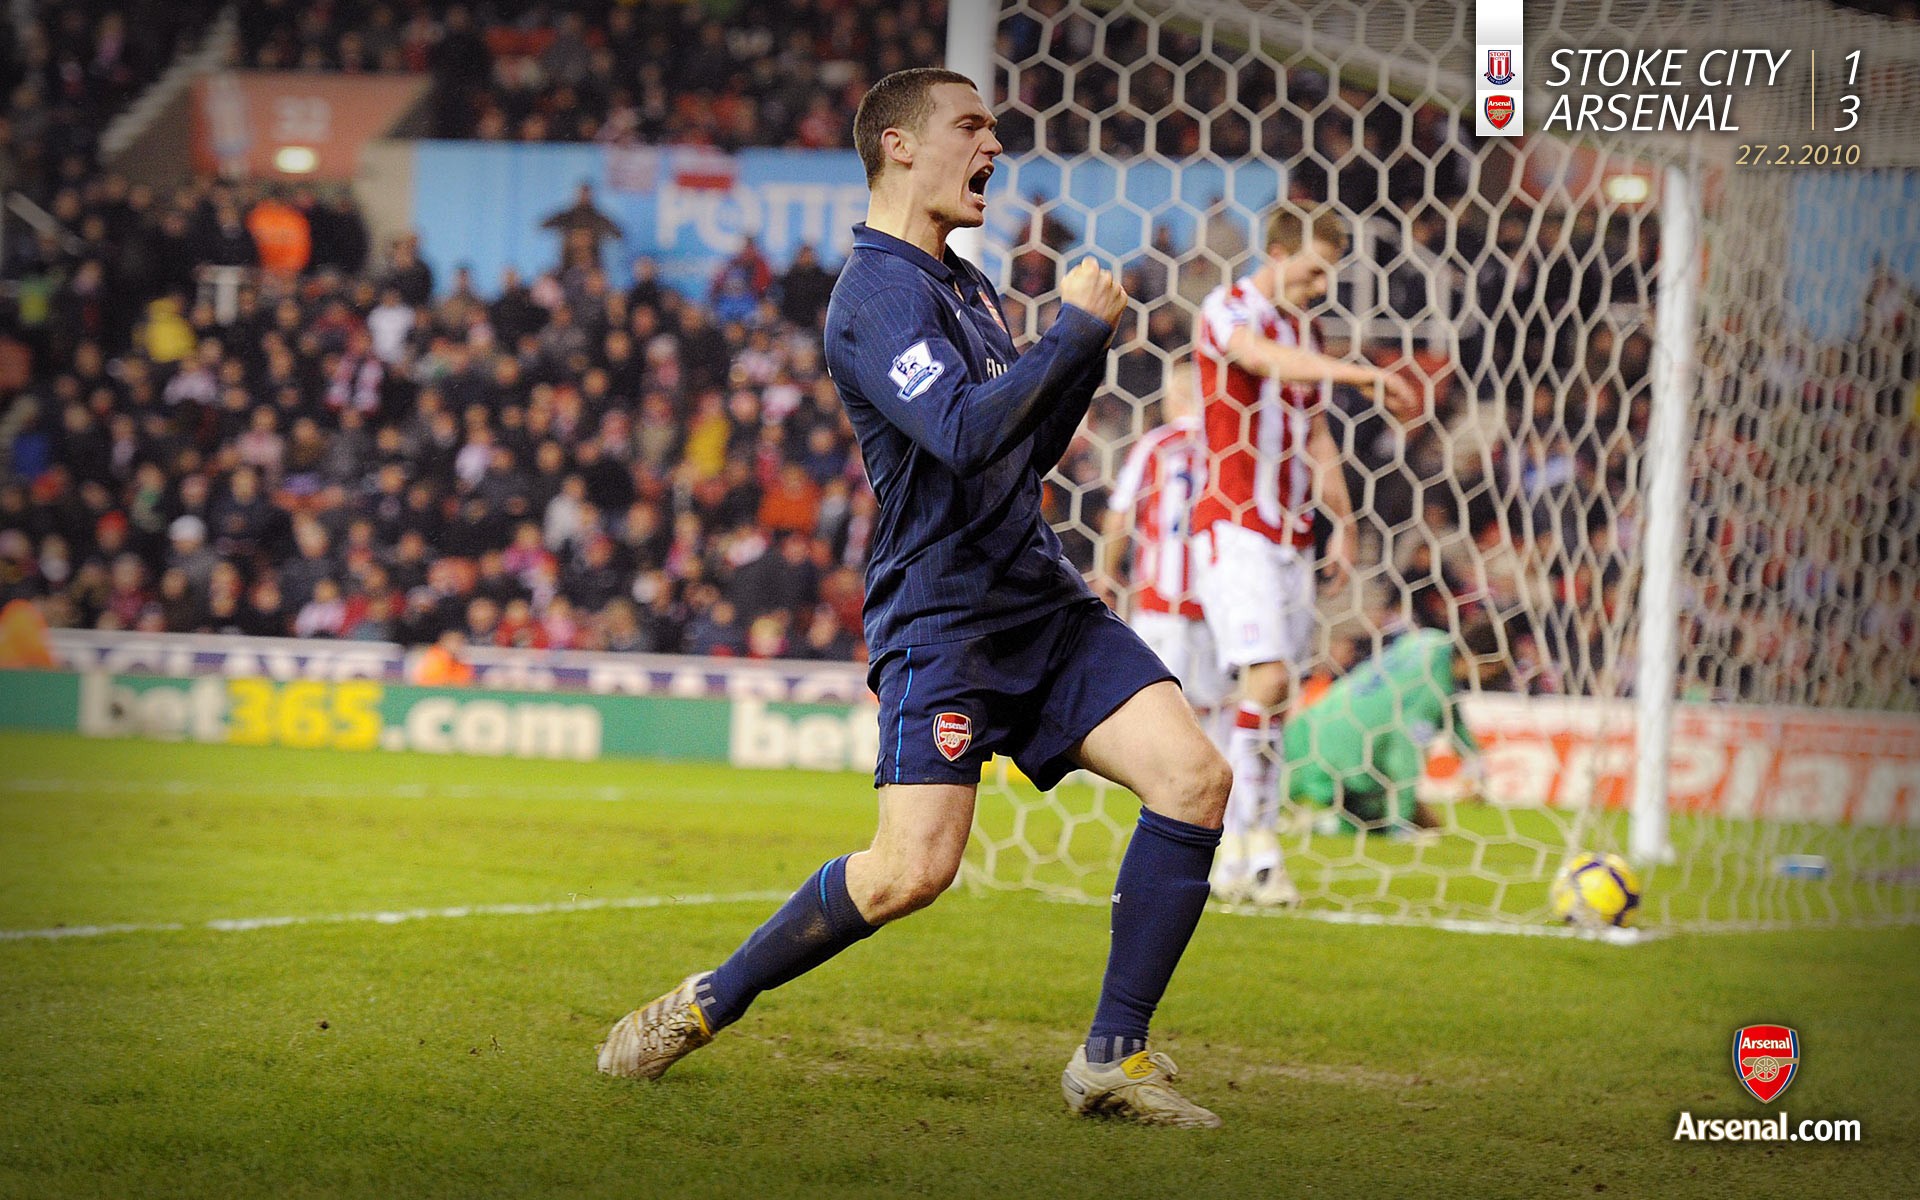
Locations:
(957, 430)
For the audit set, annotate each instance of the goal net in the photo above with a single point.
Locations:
(1518, 284)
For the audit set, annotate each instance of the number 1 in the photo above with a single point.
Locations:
(1853, 68)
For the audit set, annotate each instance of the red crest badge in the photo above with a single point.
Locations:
(1766, 1058)
(1499, 110)
(952, 734)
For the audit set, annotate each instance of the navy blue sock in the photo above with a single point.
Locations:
(1157, 900)
(816, 923)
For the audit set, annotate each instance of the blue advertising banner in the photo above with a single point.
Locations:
(1849, 228)
(1115, 207)
(482, 204)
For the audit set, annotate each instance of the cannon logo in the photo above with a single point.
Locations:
(1765, 1059)
(952, 734)
(1499, 110)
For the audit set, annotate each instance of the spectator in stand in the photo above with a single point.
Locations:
(338, 234)
(791, 502)
(390, 325)
(375, 622)
(462, 66)
(325, 615)
(582, 228)
(408, 274)
(715, 627)
(804, 289)
(283, 235)
(646, 291)
(444, 663)
(740, 283)
(265, 611)
(224, 240)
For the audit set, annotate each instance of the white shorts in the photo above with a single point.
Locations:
(1258, 594)
(1186, 646)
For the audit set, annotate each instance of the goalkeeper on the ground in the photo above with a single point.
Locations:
(1360, 750)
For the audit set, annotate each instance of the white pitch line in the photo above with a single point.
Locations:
(390, 917)
(1334, 916)
(310, 791)
(1611, 936)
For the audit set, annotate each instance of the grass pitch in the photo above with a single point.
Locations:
(428, 1028)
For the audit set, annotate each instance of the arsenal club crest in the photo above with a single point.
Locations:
(952, 734)
(1766, 1057)
(1499, 67)
(1499, 110)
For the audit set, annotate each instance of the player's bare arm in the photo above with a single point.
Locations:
(1296, 364)
(1331, 497)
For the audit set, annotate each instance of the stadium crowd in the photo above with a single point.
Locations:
(375, 453)
(360, 449)
(751, 73)
(67, 69)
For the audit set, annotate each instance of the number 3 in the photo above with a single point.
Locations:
(1851, 106)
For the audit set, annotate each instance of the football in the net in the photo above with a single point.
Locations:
(1595, 890)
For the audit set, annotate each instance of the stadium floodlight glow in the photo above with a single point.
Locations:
(1629, 189)
(295, 160)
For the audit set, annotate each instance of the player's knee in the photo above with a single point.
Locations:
(1211, 784)
(928, 883)
(909, 886)
(1266, 684)
(1197, 793)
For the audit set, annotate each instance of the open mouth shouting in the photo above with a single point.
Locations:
(977, 185)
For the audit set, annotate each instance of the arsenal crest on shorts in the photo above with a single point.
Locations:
(1499, 110)
(1765, 1057)
(952, 734)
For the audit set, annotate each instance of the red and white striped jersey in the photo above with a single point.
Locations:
(1157, 487)
(1258, 473)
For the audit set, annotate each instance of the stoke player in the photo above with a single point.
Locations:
(983, 636)
(1150, 511)
(1271, 459)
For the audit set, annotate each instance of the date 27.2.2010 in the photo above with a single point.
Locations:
(1806, 154)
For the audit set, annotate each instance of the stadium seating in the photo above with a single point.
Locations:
(765, 74)
(334, 460)
(362, 450)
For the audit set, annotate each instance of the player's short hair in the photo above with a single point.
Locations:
(1288, 226)
(901, 100)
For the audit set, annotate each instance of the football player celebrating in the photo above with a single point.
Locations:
(983, 637)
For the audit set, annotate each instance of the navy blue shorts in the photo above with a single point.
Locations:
(1031, 692)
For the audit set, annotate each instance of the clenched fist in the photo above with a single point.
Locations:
(1091, 287)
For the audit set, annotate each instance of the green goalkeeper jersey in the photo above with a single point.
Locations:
(1366, 740)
